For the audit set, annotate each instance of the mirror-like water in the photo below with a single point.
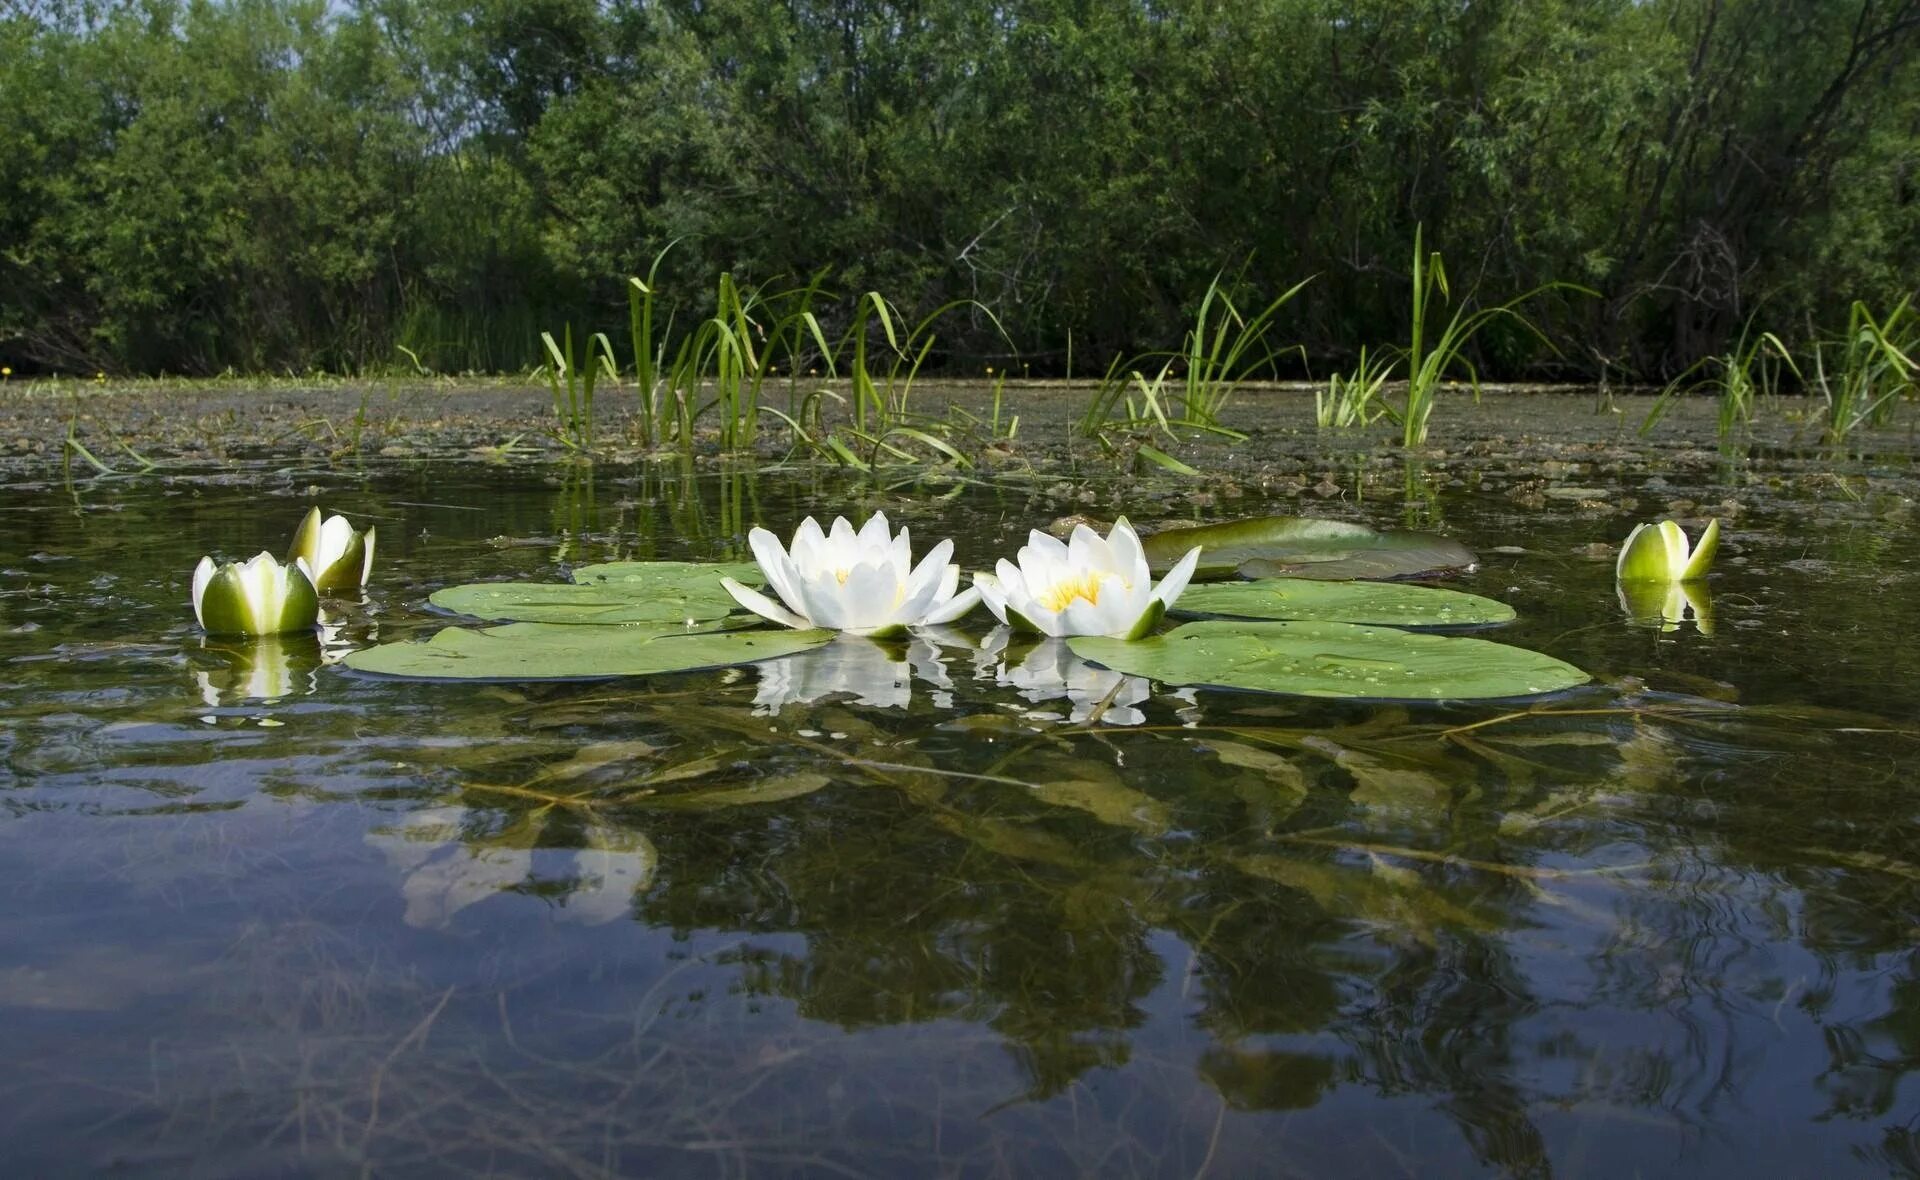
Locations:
(931, 911)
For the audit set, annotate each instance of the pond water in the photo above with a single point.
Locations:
(918, 912)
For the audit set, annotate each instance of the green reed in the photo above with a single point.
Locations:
(1874, 369)
(1223, 349)
(1353, 399)
(1430, 361)
(572, 384)
(1754, 368)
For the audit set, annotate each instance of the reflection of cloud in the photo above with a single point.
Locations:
(873, 673)
(447, 872)
(1049, 670)
(1668, 605)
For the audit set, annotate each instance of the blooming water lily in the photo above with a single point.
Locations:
(259, 597)
(861, 582)
(1089, 585)
(339, 558)
(1660, 553)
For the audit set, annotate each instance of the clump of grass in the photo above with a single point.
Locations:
(1874, 368)
(1738, 379)
(1430, 362)
(1223, 349)
(572, 385)
(1353, 399)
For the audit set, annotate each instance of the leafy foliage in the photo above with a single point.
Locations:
(188, 187)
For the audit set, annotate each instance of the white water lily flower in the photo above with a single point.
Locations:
(1659, 553)
(862, 582)
(340, 558)
(1088, 586)
(259, 597)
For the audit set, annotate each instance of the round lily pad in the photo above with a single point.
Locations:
(618, 592)
(553, 651)
(1302, 599)
(1333, 660)
(1305, 547)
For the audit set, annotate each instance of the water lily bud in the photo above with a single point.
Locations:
(1088, 586)
(340, 558)
(864, 582)
(1659, 553)
(260, 597)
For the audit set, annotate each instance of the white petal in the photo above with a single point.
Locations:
(956, 607)
(1087, 550)
(1129, 558)
(808, 550)
(778, 567)
(824, 600)
(928, 576)
(871, 596)
(202, 574)
(336, 533)
(1175, 583)
(763, 606)
(990, 592)
(366, 566)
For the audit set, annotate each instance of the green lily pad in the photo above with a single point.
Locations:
(1333, 660)
(559, 651)
(1305, 547)
(1302, 599)
(617, 592)
(673, 574)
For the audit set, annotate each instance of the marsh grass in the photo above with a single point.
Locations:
(1755, 368)
(1353, 399)
(1430, 361)
(572, 384)
(1874, 368)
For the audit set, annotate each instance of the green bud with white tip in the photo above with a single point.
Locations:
(1660, 553)
(339, 558)
(258, 597)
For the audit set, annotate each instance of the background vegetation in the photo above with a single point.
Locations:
(288, 185)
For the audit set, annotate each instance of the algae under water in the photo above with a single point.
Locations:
(940, 909)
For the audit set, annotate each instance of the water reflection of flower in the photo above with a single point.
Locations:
(1668, 605)
(1049, 671)
(874, 673)
(268, 668)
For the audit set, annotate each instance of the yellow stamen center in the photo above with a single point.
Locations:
(1057, 596)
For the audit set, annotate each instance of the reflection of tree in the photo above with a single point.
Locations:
(1358, 889)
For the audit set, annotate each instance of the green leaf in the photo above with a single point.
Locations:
(1342, 602)
(621, 592)
(1305, 547)
(667, 574)
(1333, 660)
(773, 789)
(554, 651)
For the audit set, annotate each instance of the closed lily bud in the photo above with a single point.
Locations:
(259, 597)
(1660, 553)
(339, 558)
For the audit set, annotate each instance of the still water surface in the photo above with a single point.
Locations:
(920, 912)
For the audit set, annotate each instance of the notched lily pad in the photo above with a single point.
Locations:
(555, 651)
(1333, 660)
(1305, 547)
(1303, 599)
(618, 592)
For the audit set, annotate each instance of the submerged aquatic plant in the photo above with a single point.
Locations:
(861, 582)
(1089, 585)
(338, 557)
(260, 597)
